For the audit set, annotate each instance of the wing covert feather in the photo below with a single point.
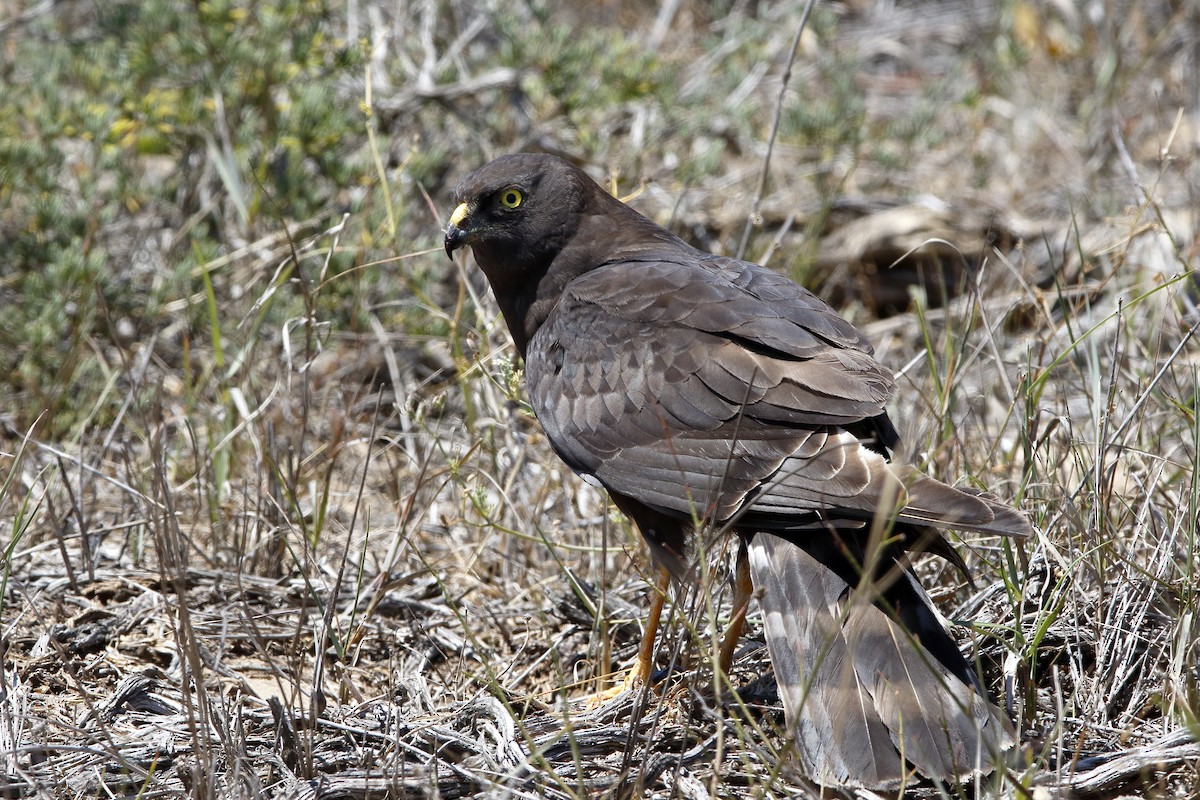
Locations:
(649, 374)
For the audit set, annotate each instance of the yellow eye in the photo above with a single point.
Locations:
(511, 197)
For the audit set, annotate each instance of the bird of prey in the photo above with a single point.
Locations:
(706, 393)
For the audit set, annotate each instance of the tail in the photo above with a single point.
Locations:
(872, 696)
(931, 502)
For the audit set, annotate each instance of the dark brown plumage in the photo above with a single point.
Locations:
(692, 386)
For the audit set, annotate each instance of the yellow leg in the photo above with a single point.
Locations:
(743, 590)
(645, 657)
(640, 674)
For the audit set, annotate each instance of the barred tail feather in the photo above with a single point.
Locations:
(866, 696)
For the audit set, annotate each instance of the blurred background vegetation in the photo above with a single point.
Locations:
(151, 151)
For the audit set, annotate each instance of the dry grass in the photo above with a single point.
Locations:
(317, 554)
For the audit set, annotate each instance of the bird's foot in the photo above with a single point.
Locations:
(632, 682)
(604, 696)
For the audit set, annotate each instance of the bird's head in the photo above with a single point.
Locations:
(517, 212)
(535, 223)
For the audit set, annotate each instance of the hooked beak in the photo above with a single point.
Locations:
(456, 237)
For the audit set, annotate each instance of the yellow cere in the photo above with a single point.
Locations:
(459, 214)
